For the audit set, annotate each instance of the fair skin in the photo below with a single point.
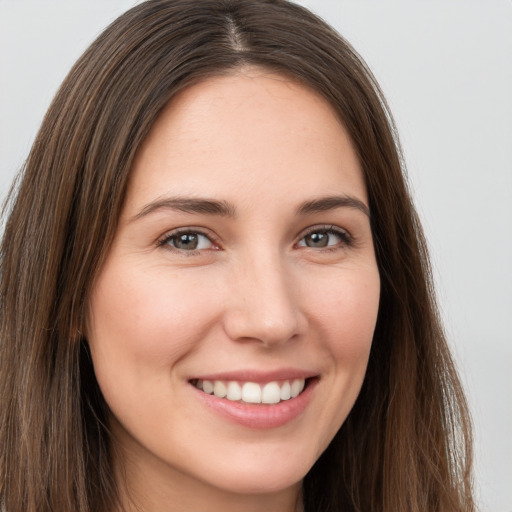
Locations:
(243, 255)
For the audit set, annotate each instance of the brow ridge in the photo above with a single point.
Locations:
(323, 204)
(225, 209)
(188, 205)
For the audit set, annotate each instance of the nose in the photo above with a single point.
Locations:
(263, 304)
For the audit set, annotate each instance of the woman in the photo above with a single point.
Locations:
(215, 290)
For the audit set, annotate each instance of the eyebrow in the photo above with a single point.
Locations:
(226, 209)
(323, 204)
(188, 205)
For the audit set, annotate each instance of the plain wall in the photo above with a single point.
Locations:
(446, 68)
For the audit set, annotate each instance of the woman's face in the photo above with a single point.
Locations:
(243, 262)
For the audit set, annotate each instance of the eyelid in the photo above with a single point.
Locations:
(346, 237)
(162, 240)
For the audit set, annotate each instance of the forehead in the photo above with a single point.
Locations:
(252, 129)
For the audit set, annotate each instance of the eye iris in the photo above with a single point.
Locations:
(317, 239)
(187, 241)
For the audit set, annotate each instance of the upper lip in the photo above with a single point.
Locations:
(258, 376)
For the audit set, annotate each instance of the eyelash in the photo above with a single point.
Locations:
(346, 239)
(164, 241)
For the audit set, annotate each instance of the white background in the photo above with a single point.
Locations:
(446, 68)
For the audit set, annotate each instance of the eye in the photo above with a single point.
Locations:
(187, 241)
(321, 238)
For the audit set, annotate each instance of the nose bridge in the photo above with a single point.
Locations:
(264, 305)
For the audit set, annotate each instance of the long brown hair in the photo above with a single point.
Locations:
(406, 445)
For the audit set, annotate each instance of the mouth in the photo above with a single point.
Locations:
(253, 393)
(257, 400)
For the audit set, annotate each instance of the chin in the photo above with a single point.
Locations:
(260, 477)
(260, 481)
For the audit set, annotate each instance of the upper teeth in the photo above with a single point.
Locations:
(252, 392)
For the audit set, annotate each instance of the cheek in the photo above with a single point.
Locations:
(346, 311)
(144, 312)
(346, 314)
(142, 323)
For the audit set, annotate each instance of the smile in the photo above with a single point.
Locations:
(251, 392)
(268, 401)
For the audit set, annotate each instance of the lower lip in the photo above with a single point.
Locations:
(260, 416)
